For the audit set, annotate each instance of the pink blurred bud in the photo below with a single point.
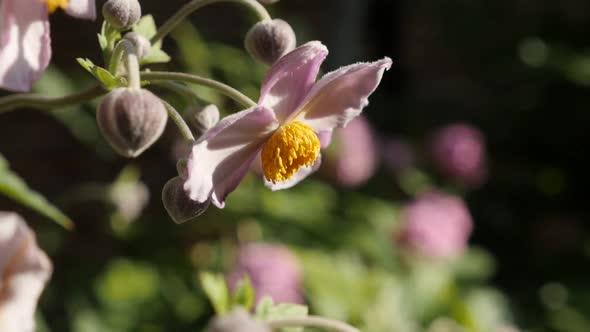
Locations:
(398, 154)
(24, 269)
(459, 152)
(273, 271)
(436, 225)
(352, 158)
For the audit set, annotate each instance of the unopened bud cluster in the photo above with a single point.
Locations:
(268, 41)
(121, 14)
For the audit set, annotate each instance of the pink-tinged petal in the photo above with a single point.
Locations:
(85, 9)
(25, 44)
(24, 271)
(299, 176)
(341, 95)
(290, 79)
(325, 137)
(221, 158)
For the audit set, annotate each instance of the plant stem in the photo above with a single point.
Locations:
(227, 90)
(185, 131)
(14, 101)
(312, 321)
(192, 6)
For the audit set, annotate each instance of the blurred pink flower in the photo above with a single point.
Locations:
(352, 160)
(436, 225)
(25, 43)
(459, 152)
(273, 271)
(283, 128)
(398, 155)
(24, 270)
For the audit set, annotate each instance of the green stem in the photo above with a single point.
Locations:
(192, 6)
(227, 90)
(185, 131)
(117, 56)
(15, 101)
(312, 321)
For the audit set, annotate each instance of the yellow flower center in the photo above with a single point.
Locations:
(52, 5)
(292, 146)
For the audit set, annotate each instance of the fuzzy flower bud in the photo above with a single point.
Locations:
(142, 44)
(273, 271)
(436, 225)
(122, 14)
(268, 41)
(459, 152)
(236, 321)
(203, 118)
(178, 204)
(131, 120)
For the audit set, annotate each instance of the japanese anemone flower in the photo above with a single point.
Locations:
(285, 126)
(24, 270)
(25, 43)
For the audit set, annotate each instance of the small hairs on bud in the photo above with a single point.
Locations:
(142, 45)
(121, 14)
(179, 206)
(268, 41)
(131, 120)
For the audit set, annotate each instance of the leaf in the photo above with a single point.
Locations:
(12, 186)
(108, 80)
(86, 64)
(146, 27)
(155, 56)
(267, 311)
(215, 287)
(244, 295)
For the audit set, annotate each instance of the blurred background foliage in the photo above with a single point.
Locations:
(517, 71)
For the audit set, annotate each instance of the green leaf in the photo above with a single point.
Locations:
(12, 186)
(244, 295)
(146, 27)
(215, 287)
(155, 56)
(86, 64)
(267, 311)
(108, 80)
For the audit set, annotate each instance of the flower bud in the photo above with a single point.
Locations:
(268, 41)
(131, 120)
(203, 118)
(121, 14)
(435, 225)
(179, 206)
(273, 270)
(236, 321)
(142, 44)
